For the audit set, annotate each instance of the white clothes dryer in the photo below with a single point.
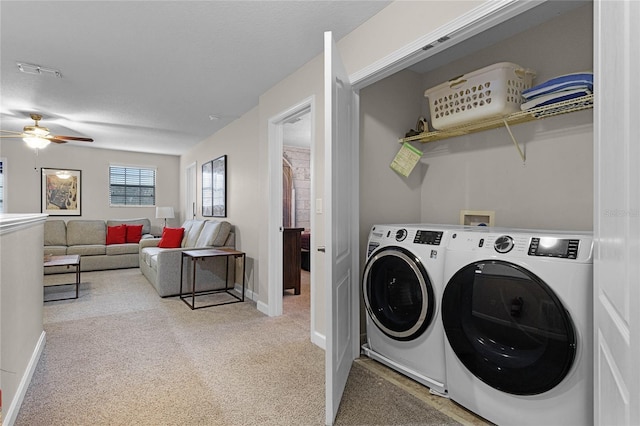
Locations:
(402, 286)
(517, 316)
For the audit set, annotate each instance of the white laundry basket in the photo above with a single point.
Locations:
(488, 92)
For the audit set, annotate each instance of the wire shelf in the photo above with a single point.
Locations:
(565, 107)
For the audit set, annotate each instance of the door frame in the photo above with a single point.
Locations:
(274, 232)
(456, 31)
(191, 191)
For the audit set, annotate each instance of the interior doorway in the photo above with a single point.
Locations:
(296, 210)
(291, 142)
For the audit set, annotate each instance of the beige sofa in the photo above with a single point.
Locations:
(161, 266)
(88, 239)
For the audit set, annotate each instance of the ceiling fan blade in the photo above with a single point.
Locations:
(11, 131)
(57, 138)
(11, 136)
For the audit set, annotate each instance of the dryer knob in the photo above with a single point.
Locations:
(401, 234)
(503, 244)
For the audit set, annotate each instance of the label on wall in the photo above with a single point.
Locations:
(406, 159)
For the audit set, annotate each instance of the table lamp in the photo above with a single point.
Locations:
(164, 213)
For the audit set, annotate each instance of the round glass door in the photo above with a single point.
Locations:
(508, 327)
(398, 294)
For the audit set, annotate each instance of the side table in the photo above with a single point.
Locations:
(68, 261)
(201, 255)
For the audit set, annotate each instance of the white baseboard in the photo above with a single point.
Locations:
(249, 294)
(262, 307)
(12, 413)
(319, 340)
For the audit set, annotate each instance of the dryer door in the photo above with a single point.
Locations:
(508, 327)
(398, 293)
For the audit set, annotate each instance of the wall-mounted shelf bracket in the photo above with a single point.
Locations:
(515, 142)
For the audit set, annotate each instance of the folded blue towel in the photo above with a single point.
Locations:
(563, 82)
(553, 98)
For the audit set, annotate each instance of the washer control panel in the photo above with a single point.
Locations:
(433, 238)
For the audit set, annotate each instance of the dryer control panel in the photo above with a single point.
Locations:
(554, 247)
(525, 244)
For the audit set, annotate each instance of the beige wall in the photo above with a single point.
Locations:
(305, 83)
(395, 27)
(388, 109)
(23, 179)
(22, 336)
(483, 171)
(239, 141)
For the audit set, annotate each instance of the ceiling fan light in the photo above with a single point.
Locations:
(40, 131)
(36, 142)
(36, 130)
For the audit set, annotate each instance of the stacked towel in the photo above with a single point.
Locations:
(558, 89)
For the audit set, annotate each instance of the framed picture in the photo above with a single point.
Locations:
(214, 187)
(207, 189)
(61, 193)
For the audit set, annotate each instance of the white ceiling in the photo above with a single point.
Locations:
(147, 75)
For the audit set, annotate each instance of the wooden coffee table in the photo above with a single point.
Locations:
(68, 260)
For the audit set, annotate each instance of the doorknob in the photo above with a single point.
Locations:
(321, 249)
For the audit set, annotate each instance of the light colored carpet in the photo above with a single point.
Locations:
(121, 355)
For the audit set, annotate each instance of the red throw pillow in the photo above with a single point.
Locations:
(171, 238)
(134, 233)
(116, 234)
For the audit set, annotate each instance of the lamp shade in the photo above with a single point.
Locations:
(164, 212)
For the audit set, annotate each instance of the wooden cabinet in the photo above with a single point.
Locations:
(291, 258)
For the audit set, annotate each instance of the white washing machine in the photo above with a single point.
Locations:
(517, 316)
(402, 287)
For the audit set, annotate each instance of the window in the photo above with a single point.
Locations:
(132, 186)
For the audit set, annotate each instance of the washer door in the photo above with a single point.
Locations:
(398, 293)
(508, 327)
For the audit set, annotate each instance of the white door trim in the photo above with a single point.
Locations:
(191, 191)
(274, 233)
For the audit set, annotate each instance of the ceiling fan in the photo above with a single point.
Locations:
(38, 137)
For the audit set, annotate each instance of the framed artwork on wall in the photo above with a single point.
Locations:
(61, 193)
(214, 187)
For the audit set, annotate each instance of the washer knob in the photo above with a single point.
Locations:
(401, 234)
(503, 244)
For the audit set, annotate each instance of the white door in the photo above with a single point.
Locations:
(341, 230)
(191, 194)
(617, 212)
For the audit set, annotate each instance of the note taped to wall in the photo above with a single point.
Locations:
(406, 159)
